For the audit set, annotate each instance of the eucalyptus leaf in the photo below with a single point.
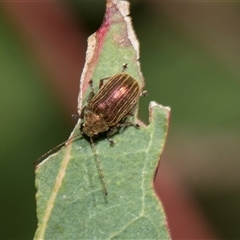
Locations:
(71, 202)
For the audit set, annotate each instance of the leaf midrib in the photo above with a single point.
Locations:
(58, 183)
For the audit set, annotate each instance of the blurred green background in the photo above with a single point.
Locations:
(190, 58)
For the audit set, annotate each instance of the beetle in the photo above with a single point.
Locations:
(107, 110)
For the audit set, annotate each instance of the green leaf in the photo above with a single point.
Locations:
(71, 203)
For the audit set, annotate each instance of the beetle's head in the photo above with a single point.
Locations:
(94, 124)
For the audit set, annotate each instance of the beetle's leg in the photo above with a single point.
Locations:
(126, 124)
(92, 93)
(90, 96)
(124, 67)
(111, 142)
(75, 116)
(101, 81)
(111, 132)
(130, 114)
(81, 115)
(116, 129)
(144, 93)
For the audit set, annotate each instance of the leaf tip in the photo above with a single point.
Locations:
(154, 104)
(158, 111)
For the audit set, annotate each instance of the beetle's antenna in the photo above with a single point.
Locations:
(99, 167)
(52, 150)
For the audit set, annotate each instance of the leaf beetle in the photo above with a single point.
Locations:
(107, 110)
